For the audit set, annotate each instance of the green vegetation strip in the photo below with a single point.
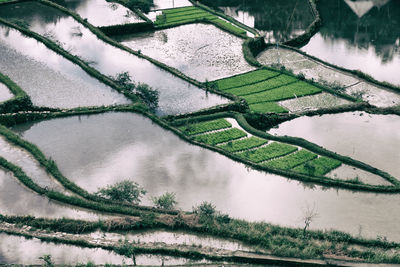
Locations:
(267, 107)
(292, 160)
(293, 90)
(20, 101)
(271, 151)
(243, 144)
(220, 137)
(245, 79)
(203, 127)
(185, 15)
(259, 87)
(319, 166)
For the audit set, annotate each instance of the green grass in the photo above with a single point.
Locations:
(278, 81)
(203, 127)
(318, 167)
(271, 151)
(228, 26)
(293, 90)
(267, 107)
(221, 137)
(292, 160)
(180, 10)
(245, 79)
(243, 144)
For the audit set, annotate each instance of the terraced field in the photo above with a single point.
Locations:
(77, 131)
(262, 89)
(184, 15)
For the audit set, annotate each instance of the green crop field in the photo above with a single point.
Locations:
(220, 137)
(293, 90)
(292, 160)
(203, 127)
(271, 151)
(176, 16)
(243, 144)
(245, 79)
(319, 166)
(278, 81)
(267, 107)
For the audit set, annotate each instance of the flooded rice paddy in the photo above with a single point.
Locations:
(362, 136)
(49, 79)
(23, 251)
(101, 12)
(164, 4)
(360, 36)
(279, 21)
(94, 151)
(5, 93)
(298, 63)
(16, 199)
(176, 95)
(201, 51)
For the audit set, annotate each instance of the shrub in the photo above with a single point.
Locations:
(165, 201)
(125, 191)
(205, 209)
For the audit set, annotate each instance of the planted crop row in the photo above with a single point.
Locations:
(275, 82)
(245, 79)
(221, 137)
(318, 167)
(271, 151)
(207, 126)
(293, 90)
(292, 160)
(243, 144)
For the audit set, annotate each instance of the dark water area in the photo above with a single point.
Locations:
(278, 20)
(362, 35)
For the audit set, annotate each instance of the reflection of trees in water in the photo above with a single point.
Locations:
(379, 27)
(31, 12)
(283, 17)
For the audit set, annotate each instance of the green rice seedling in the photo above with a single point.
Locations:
(318, 167)
(285, 92)
(267, 107)
(269, 84)
(245, 79)
(207, 126)
(243, 144)
(271, 151)
(221, 137)
(292, 160)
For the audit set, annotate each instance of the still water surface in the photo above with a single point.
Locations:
(362, 35)
(98, 150)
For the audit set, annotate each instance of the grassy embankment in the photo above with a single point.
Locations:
(20, 101)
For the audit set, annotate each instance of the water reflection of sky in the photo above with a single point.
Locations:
(362, 35)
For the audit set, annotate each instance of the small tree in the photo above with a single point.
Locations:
(205, 209)
(125, 191)
(165, 201)
(309, 215)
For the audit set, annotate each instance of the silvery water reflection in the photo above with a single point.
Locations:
(101, 12)
(362, 35)
(49, 79)
(97, 150)
(16, 199)
(176, 95)
(5, 93)
(365, 137)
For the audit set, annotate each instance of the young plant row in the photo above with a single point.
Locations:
(263, 88)
(184, 15)
(275, 155)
